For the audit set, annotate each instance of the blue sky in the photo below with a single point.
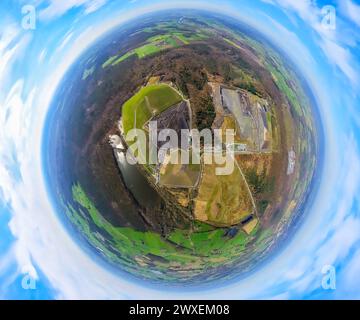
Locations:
(34, 243)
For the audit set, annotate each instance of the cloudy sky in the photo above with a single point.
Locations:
(39, 259)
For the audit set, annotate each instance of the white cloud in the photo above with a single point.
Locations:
(42, 56)
(10, 46)
(298, 49)
(341, 57)
(332, 42)
(349, 285)
(64, 42)
(326, 238)
(94, 5)
(57, 8)
(42, 238)
(351, 10)
(39, 233)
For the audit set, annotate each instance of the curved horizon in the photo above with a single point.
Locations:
(327, 235)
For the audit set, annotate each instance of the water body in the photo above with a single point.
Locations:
(138, 185)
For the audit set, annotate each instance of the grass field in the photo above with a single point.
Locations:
(121, 59)
(202, 247)
(165, 40)
(109, 61)
(222, 200)
(232, 43)
(156, 44)
(148, 102)
(146, 50)
(153, 45)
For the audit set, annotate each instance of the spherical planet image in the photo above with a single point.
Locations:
(182, 223)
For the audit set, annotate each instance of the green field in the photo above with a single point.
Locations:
(232, 43)
(156, 44)
(121, 59)
(141, 52)
(146, 50)
(148, 102)
(164, 40)
(109, 61)
(202, 247)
